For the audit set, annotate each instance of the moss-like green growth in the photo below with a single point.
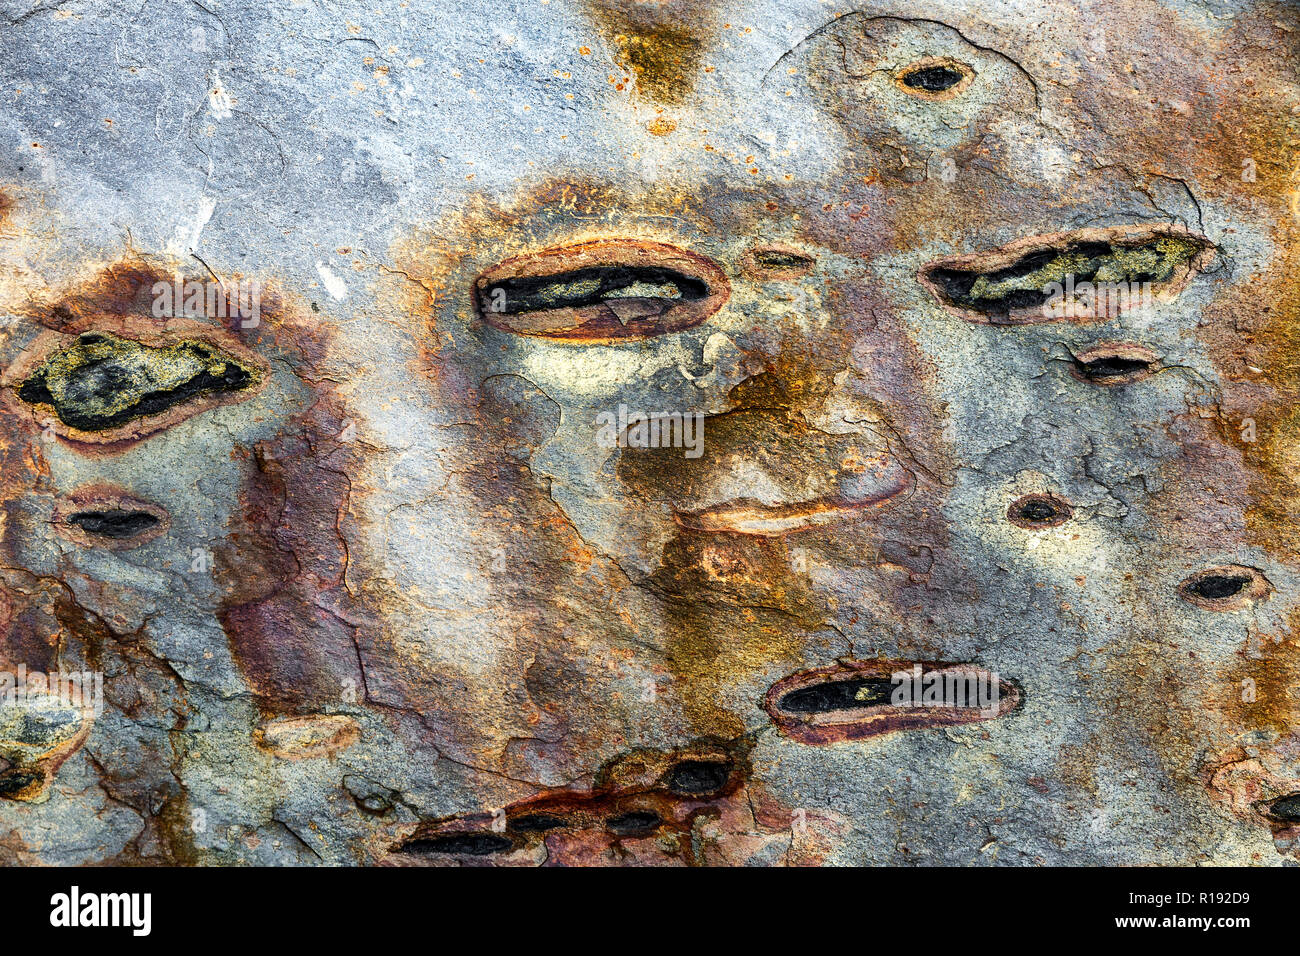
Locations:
(102, 381)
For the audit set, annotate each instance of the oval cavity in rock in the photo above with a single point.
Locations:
(856, 700)
(1038, 511)
(476, 843)
(104, 388)
(103, 516)
(1226, 587)
(604, 291)
(935, 78)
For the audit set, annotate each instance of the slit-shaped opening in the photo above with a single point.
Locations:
(634, 823)
(101, 382)
(466, 843)
(37, 734)
(1114, 363)
(861, 699)
(602, 291)
(935, 78)
(536, 823)
(832, 695)
(1082, 276)
(1226, 587)
(776, 263)
(104, 516)
(1038, 511)
(117, 523)
(17, 784)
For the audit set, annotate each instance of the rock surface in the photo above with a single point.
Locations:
(327, 333)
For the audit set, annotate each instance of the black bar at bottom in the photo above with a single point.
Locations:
(333, 907)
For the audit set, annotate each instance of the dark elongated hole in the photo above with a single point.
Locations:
(697, 777)
(933, 79)
(41, 727)
(636, 823)
(1111, 366)
(1229, 587)
(466, 844)
(590, 286)
(536, 823)
(1032, 280)
(114, 523)
(959, 284)
(838, 695)
(1215, 587)
(1286, 809)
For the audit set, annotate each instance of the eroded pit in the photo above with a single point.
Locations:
(648, 287)
(19, 784)
(1087, 275)
(114, 522)
(1229, 587)
(104, 516)
(634, 823)
(601, 291)
(1112, 364)
(536, 823)
(36, 737)
(698, 777)
(102, 383)
(935, 78)
(1038, 511)
(477, 843)
(833, 695)
(636, 795)
(1284, 809)
(861, 699)
(776, 263)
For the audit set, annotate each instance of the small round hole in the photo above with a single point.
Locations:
(1039, 511)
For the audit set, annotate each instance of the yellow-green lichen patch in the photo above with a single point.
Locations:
(997, 285)
(102, 382)
(36, 736)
